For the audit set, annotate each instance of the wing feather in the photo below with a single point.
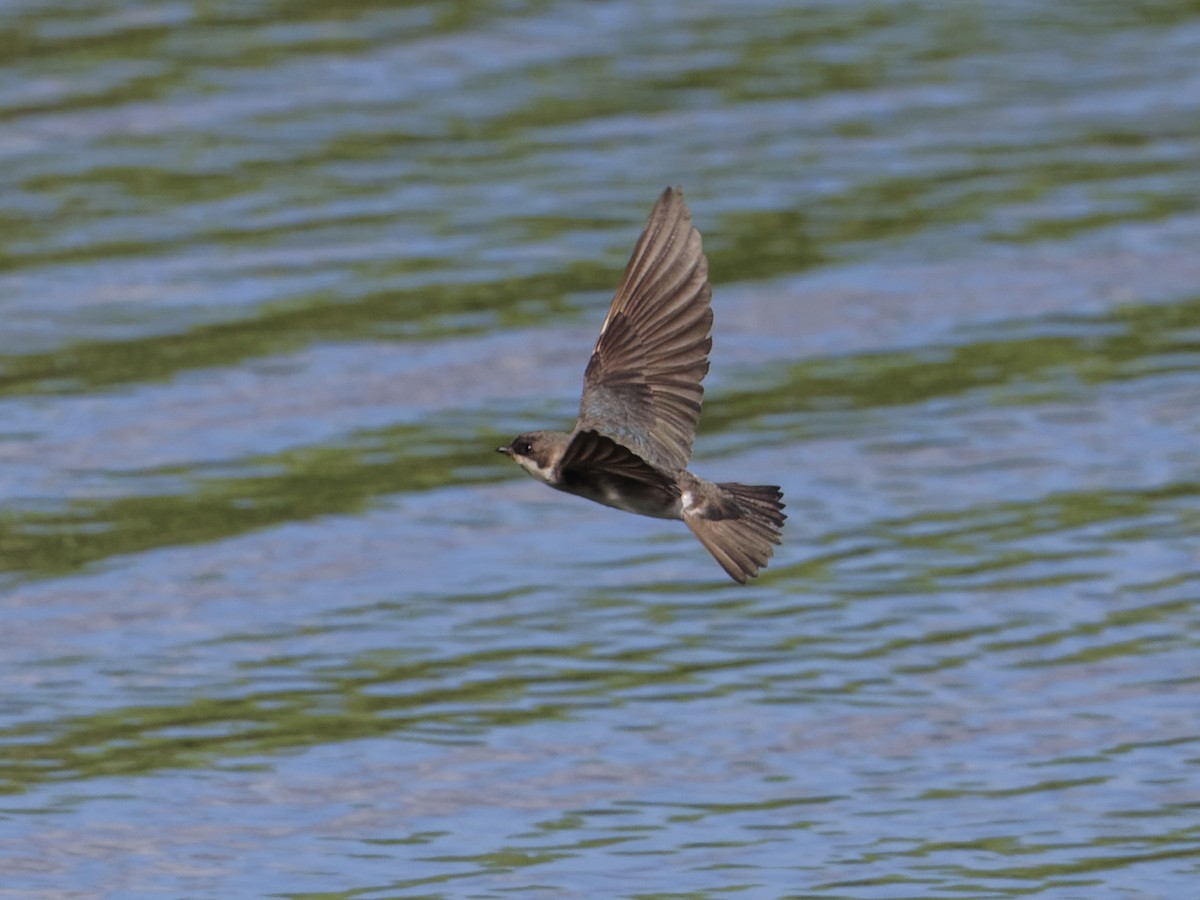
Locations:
(592, 452)
(642, 384)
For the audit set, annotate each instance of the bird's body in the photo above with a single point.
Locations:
(641, 403)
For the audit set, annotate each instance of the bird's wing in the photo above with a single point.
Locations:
(642, 384)
(589, 452)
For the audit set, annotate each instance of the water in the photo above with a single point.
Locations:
(274, 281)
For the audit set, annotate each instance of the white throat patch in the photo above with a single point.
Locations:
(540, 472)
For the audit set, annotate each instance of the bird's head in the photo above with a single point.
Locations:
(537, 452)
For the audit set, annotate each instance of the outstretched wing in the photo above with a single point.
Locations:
(591, 454)
(642, 384)
(597, 467)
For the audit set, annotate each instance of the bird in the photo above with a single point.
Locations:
(641, 404)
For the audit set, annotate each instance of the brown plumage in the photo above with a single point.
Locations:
(641, 404)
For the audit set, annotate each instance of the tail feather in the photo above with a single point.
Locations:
(738, 525)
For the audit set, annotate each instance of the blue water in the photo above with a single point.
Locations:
(276, 280)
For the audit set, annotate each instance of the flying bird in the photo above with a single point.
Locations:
(641, 403)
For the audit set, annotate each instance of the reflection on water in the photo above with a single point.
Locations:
(278, 622)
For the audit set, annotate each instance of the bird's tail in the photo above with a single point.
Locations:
(739, 526)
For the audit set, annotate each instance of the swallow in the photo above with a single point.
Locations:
(641, 404)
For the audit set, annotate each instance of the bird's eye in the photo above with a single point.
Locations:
(523, 447)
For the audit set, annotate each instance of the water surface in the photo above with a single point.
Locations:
(274, 281)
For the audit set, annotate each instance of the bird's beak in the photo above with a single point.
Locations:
(507, 451)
